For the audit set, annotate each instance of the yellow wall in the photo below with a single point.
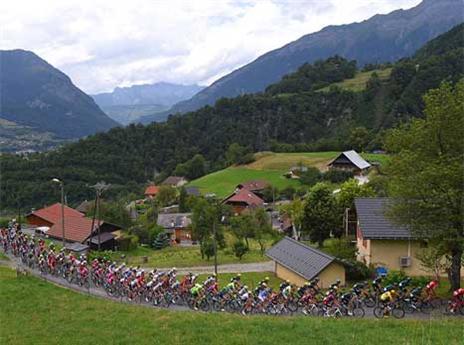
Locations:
(328, 275)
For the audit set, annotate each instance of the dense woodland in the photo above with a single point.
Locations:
(292, 115)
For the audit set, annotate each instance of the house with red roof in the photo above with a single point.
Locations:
(255, 186)
(243, 199)
(151, 191)
(78, 228)
(50, 215)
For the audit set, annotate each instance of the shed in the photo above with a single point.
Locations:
(298, 263)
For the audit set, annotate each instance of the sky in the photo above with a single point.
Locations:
(102, 44)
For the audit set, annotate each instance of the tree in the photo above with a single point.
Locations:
(434, 259)
(359, 138)
(207, 249)
(166, 195)
(262, 228)
(183, 204)
(351, 190)
(240, 249)
(161, 241)
(311, 176)
(295, 211)
(320, 216)
(427, 173)
(237, 154)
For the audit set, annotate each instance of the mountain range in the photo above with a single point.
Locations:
(127, 104)
(382, 38)
(39, 97)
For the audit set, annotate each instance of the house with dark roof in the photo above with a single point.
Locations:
(192, 191)
(177, 225)
(243, 199)
(299, 263)
(175, 181)
(350, 161)
(381, 243)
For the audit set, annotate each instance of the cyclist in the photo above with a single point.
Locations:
(457, 301)
(387, 298)
(197, 294)
(430, 289)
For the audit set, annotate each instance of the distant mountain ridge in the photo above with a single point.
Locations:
(37, 95)
(381, 38)
(127, 104)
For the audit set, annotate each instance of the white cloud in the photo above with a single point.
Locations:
(102, 44)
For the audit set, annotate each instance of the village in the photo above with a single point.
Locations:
(374, 243)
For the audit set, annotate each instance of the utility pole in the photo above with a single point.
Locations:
(62, 207)
(99, 187)
(215, 246)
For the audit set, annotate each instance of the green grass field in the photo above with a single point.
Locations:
(358, 83)
(269, 166)
(36, 312)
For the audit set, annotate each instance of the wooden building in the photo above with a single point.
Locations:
(350, 161)
(243, 199)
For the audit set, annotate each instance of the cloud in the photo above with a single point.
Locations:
(103, 44)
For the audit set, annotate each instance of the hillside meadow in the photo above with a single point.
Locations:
(271, 167)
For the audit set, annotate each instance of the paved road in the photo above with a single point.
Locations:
(98, 292)
(267, 266)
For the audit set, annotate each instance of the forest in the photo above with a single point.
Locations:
(292, 115)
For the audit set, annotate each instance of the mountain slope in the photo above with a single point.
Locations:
(379, 39)
(127, 104)
(307, 120)
(35, 94)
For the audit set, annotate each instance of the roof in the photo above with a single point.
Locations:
(174, 220)
(152, 190)
(245, 196)
(173, 180)
(52, 213)
(306, 261)
(77, 229)
(192, 191)
(104, 237)
(77, 247)
(254, 185)
(354, 158)
(373, 222)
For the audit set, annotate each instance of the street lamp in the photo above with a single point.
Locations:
(62, 205)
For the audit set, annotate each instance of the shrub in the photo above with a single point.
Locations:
(341, 248)
(311, 176)
(356, 271)
(240, 249)
(128, 242)
(336, 176)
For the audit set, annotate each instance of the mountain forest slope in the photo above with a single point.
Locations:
(39, 96)
(382, 38)
(295, 117)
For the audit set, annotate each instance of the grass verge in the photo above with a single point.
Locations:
(36, 312)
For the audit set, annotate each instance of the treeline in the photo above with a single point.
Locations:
(302, 121)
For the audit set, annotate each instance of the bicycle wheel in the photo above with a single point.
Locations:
(426, 307)
(358, 312)
(369, 302)
(398, 312)
(292, 306)
(378, 312)
(204, 305)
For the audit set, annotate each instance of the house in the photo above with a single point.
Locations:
(151, 191)
(85, 206)
(299, 263)
(50, 215)
(350, 161)
(177, 225)
(254, 185)
(174, 181)
(192, 191)
(383, 244)
(78, 228)
(243, 199)
(281, 222)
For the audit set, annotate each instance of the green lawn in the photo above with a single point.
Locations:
(269, 166)
(36, 312)
(187, 256)
(358, 83)
(4, 257)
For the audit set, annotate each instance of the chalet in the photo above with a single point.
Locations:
(177, 225)
(151, 191)
(255, 186)
(299, 263)
(50, 215)
(174, 181)
(243, 199)
(382, 244)
(85, 206)
(78, 228)
(350, 161)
